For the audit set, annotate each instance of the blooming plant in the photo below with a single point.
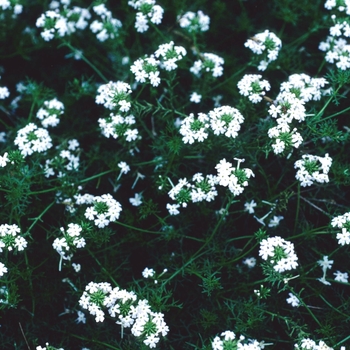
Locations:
(174, 174)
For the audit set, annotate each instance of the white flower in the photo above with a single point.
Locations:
(249, 206)
(137, 200)
(293, 300)
(275, 221)
(148, 272)
(341, 276)
(250, 262)
(196, 98)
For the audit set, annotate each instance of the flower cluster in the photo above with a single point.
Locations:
(56, 24)
(226, 120)
(279, 252)
(194, 22)
(68, 159)
(105, 209)
(32, 139)
(252, 86)
(337, 46)
(310, 167)
(148, 12)
(10, 238)
(146, 68)
(72, 239)
(222, 120)
(233, 178)
(130, 312)
(13, 6)
(49, 113)
(114, 96)
(209, 63)
(117, 126)
(194, 129)
(266, 44)
(309, 344)
(229, 341)
(202, 189)
(169, 55)
(304, 88)
(108, 27)
(342, 222)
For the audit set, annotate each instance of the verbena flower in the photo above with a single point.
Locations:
(252, 86)
(118, 126)
(266, 44)
(146, 70)
(194, 22)
(10, 238)
(32, 139)
(105, 209)
(279, 252)
(148, 12)
(229, 340)
(313, 169)
(209, 63)
(50, 112)
(107, 27)
(342, 222)
(114, 96)
(168, 54)
(293, 300)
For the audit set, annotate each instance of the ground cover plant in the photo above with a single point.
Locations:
(174, 174)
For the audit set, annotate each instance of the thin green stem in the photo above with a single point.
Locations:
(73, 49)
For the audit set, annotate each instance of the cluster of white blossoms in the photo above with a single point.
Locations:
(278, 252)
(228, 340)
(60, 24)
(50, 112)
(194, 129)
(32, 139)
(224, 120)
(15, 6)
(148, 12)
(288, 107)
(266, 44)
(235, 178)
(284, 138)
(114, 96)
(169, 55)
(202, 189)
(117, 126)
(105, 209)
(194, 22)
(309, 344)
(10, 239)
(130, 312)
(146, 69)
(304, 88)
(337, 45)
(67, 160)
(72, 239)
(107, 27)
(342, 222)
(252, 86)
(312, 169)
(341, 6)
(209, 63)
